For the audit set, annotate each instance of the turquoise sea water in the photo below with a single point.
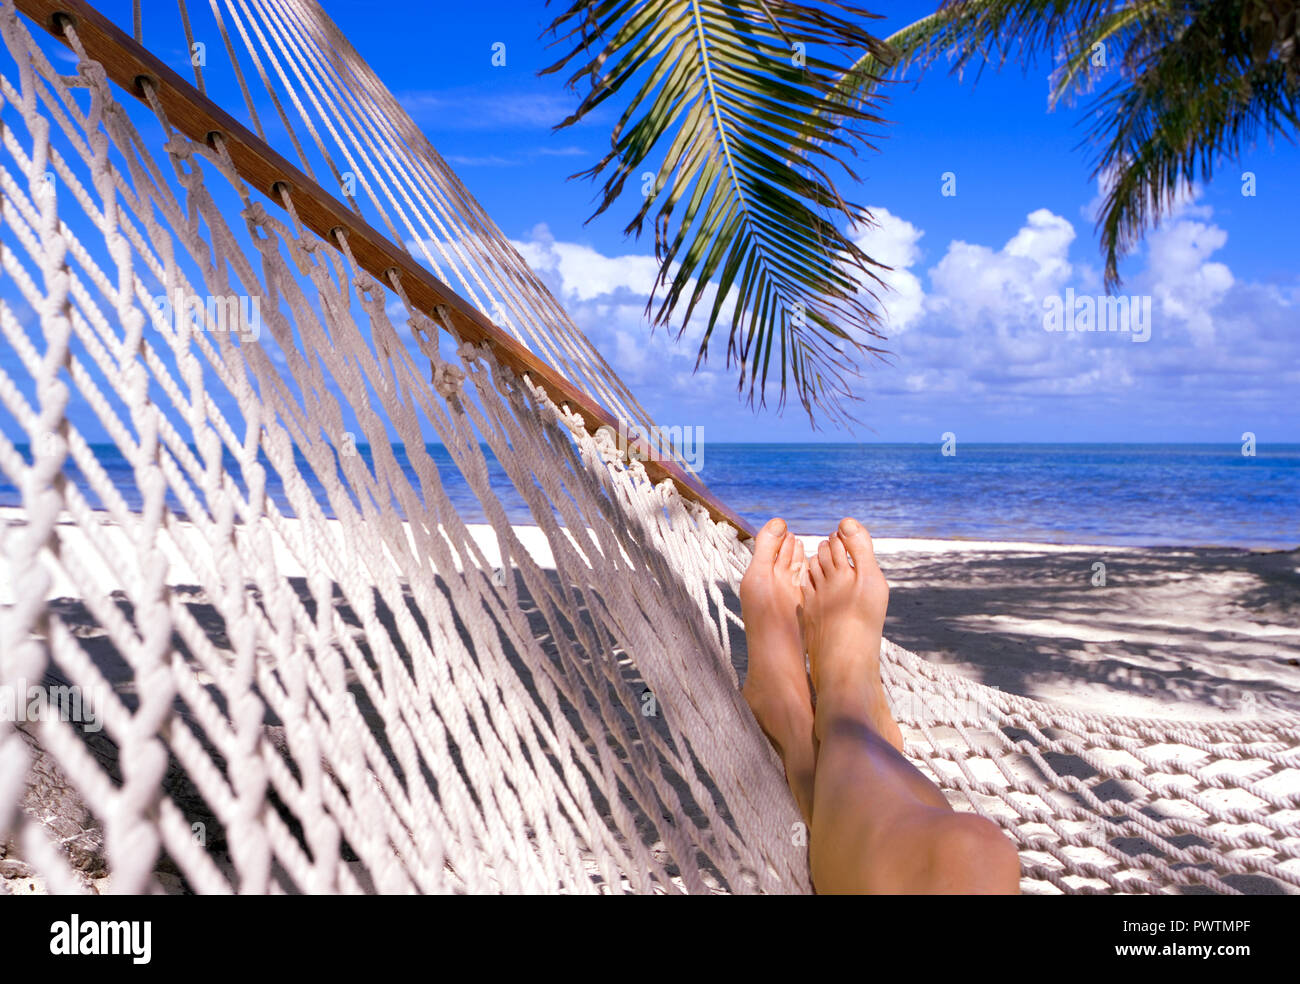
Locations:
(1137, 494)
(1132, 494)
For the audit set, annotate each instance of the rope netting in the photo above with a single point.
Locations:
(284, 567)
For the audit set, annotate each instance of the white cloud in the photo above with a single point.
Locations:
(468, 108)
(584, 273)
(980, 327)
(893, 242)
(1184, 280)
(969, 328)
(976, 285)
(606, 297)
(491, 160)
(523, 156)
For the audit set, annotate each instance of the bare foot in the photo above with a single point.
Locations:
(776, 684)
(844, 606)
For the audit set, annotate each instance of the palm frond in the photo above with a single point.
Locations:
(1198, 80)
(1121, 28)
(1200, 94)
(970, 31)
(862, 79)
(730, 98)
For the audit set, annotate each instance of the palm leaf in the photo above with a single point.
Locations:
(981, 31)
(742, 197)
(1157, 135)
(1199, 80)
(1122, 27)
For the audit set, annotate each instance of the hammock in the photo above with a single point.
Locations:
(315, 662)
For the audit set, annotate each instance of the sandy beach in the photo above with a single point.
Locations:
(1200, 632)
(1184, 633)
(370, 487)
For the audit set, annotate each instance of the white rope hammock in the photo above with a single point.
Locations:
(362, 691)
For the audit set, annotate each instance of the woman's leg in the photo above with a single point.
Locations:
(879, 825)
(776, 684)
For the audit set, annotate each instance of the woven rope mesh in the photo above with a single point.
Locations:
(322, 652)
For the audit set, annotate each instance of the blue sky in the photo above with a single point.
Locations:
(969, 351)
(964, 317)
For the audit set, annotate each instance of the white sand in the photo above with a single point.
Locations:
(1183, 632)
(1173, 632)
(98, 555)
(1199, 632)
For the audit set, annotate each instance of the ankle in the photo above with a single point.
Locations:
(848, 695)
(856, 669)
(786, 722)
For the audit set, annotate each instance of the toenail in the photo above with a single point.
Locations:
(849, 525)
(777, 524)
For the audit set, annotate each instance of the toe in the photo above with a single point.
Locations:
(814, 571)
(857, 541)
(838, 554)
(785, 555)
(768, 542)
(825, 556)
(799, 562)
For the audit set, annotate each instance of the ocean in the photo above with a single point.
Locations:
(1120, 494)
